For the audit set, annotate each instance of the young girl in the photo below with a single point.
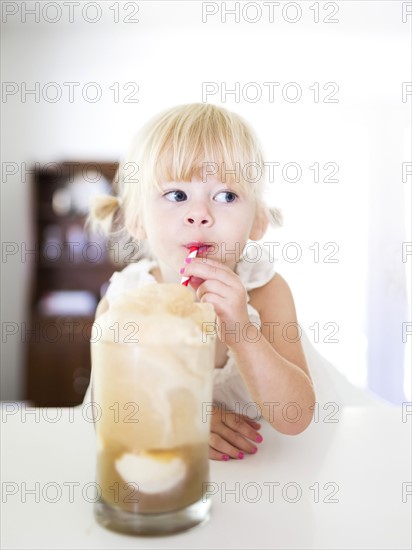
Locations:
(188, 181)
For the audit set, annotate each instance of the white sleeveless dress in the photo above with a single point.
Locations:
(229, 388)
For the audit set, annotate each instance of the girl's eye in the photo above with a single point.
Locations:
(175, 196)
(226, 196)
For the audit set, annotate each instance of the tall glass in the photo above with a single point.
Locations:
(152, 378)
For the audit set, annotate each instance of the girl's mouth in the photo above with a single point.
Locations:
(202, 248)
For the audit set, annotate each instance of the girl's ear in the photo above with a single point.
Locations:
(137, 231)
(260, 224)
(140, 233)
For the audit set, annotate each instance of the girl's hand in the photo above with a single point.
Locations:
(232, 434)
(218, 285)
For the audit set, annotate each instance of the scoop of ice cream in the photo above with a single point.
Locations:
(152, 299)
(157, 314)
(152, 472)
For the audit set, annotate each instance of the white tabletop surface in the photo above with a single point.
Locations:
(343, 485)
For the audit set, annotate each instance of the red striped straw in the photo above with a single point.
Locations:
(192, 254)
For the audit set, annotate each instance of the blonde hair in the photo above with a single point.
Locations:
(193, 140)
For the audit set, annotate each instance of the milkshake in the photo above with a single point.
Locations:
(152, 379)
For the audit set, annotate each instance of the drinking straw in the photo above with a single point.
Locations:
(192, 254)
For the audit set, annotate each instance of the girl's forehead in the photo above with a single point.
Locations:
(196, 178)
(215, 172)
(207, 170)
(210, 182)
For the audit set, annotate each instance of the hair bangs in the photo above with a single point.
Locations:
(203, 142)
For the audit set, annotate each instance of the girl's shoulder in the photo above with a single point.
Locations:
(269, 293)
(272, 294)
(256, 267)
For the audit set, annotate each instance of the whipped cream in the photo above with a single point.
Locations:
(152, 473)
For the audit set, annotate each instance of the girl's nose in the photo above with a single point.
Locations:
(200, 218)
(196, 220)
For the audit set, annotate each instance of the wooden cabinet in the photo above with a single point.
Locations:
(58, 366)
(71, 269)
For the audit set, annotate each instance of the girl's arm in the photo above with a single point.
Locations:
(274, 366)
(271, 364)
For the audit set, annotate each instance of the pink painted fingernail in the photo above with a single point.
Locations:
(225, 457)
(182, 270)
(240, 455)
(188, 260)
(254, 451)
(259, 439)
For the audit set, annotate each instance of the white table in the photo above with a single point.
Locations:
(338, 485)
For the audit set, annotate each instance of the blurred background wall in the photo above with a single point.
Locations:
(327, 89)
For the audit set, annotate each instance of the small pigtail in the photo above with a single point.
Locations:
(102, 213)
(275, 217)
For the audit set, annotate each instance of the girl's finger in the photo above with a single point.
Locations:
(233, 440)
(215, 287)
(223, 446)
(246, 418)
(204, 270)
(253, 423)
(216, 455)
(243, 428)
(212, 263)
